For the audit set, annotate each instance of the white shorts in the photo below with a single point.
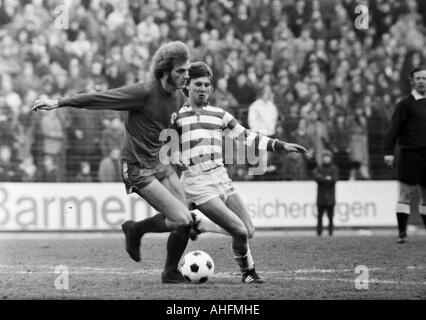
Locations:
(208, 185)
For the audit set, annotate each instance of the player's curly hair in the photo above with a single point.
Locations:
(167, 56)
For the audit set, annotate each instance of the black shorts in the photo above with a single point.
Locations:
(136, 177)
(412, 167)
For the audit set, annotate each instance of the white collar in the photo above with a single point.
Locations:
(416, 95)
(191, 108)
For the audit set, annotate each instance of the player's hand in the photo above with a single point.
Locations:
(389, 160)
(177, 161)
(293, 147)
(45, 104)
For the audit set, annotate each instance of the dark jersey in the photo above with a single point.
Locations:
(326, 194)
(150, 110)
(408, 124)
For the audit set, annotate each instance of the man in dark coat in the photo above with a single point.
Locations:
(326, 176)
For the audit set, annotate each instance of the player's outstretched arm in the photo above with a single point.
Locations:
(121, 99)
(45, 104)
(289, 147)
(263, 142)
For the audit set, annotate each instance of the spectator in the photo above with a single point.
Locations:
(112, 137)
(84, 174)
(317, 128)
(148, 31)
(7, 12)
(84, 139)
(291, 117)
(326, 176)
(359, 144)
(26, 81)
(48, 171)
(280, 166)
(28, 170)
(340, 145)
(263, 113)
(242, 20)
(263, 117)
(96, 72)
(242, 90)
(303, 45)
(222, 97)
(119, 15)
(7, 128)
(377, 125)
(8, 169)
(303, 164)
(53, 138)
(11, 98)
(109, 168)
(25, 128)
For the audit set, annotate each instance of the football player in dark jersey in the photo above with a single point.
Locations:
(150, 107)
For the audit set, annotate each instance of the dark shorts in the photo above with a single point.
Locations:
(136, 177)
(412, 167)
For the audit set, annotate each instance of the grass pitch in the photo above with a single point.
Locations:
(295, 265)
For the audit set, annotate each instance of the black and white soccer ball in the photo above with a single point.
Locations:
(197, 266)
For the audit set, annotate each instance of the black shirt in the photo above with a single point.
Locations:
(408, 124)
(150, 109)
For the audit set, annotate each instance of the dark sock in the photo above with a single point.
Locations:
(176, 245)
(422, 211)
(320, 213)
(402, 223)
(156, 224)
(424, 219)
(245, 261)
(330, 215)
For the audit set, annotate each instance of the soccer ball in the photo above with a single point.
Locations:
(197, 266)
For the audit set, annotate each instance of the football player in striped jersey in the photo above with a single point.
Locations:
(205, 179)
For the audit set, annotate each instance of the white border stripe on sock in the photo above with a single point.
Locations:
(422, 209)
(403, 207)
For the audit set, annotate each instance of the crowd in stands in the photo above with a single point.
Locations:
(299, 68)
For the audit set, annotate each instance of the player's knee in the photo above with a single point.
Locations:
(239, 232)
(183, 221)
(180, 224)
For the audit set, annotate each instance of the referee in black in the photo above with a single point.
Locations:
(409, 127)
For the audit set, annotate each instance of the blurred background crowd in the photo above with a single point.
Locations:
(299, 68)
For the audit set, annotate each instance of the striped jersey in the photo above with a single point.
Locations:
(200, 136)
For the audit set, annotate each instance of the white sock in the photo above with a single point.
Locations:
(403, 207)
(244, 261)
